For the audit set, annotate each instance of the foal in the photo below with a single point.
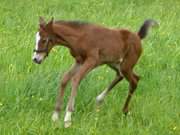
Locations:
(91, 46)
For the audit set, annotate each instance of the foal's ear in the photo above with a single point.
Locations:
(51, 22)
(42, 22)
(49, 25)
(52, 19)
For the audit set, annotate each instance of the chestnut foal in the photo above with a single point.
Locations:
(91, 46)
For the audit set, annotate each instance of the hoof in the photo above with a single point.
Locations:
(55, 116)
(99, 100)
(67, 124)
(125, 111)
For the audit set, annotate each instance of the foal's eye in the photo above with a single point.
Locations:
(50, 40)
(43, 40)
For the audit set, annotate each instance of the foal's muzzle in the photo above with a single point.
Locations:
(37, 61)
(38, 57)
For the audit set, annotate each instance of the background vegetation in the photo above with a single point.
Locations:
(28, 91)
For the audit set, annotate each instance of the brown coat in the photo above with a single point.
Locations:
(92, 45)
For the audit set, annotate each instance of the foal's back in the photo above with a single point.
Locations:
(112, 44)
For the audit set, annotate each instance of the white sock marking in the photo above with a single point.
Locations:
(67, 116)
(55, 116)
(101, 96)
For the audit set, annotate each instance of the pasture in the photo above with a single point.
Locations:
(28, 91)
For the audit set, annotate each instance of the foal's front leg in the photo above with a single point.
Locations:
(67, 76)
(84, 69)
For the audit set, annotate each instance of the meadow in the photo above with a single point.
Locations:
(28, 91)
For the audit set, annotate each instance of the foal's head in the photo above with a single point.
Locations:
(45, 40)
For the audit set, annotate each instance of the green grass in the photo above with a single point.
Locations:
(28, 91)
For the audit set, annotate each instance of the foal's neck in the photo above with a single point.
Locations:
(67, 35)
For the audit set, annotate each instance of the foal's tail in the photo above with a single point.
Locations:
(145, 27)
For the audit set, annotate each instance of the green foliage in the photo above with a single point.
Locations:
(28, 91)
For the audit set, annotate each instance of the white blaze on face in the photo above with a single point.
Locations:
(37, 39)
(38, 56)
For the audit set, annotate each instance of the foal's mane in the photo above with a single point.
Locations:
(72, 23)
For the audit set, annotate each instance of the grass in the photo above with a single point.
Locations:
(28, 91)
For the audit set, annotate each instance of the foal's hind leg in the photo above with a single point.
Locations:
(119, 77)
(100, 97)
(133, 80)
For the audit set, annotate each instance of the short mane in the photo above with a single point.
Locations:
(72, 23)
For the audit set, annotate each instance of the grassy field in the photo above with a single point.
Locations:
(28, 91)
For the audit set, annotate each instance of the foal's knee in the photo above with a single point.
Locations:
(63, 83)
(75, 80)
(65, 80)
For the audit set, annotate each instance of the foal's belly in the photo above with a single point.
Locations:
(112, 57)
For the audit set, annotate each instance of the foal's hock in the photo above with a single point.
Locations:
(91, 46)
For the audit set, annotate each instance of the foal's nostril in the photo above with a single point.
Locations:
(35, 60)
